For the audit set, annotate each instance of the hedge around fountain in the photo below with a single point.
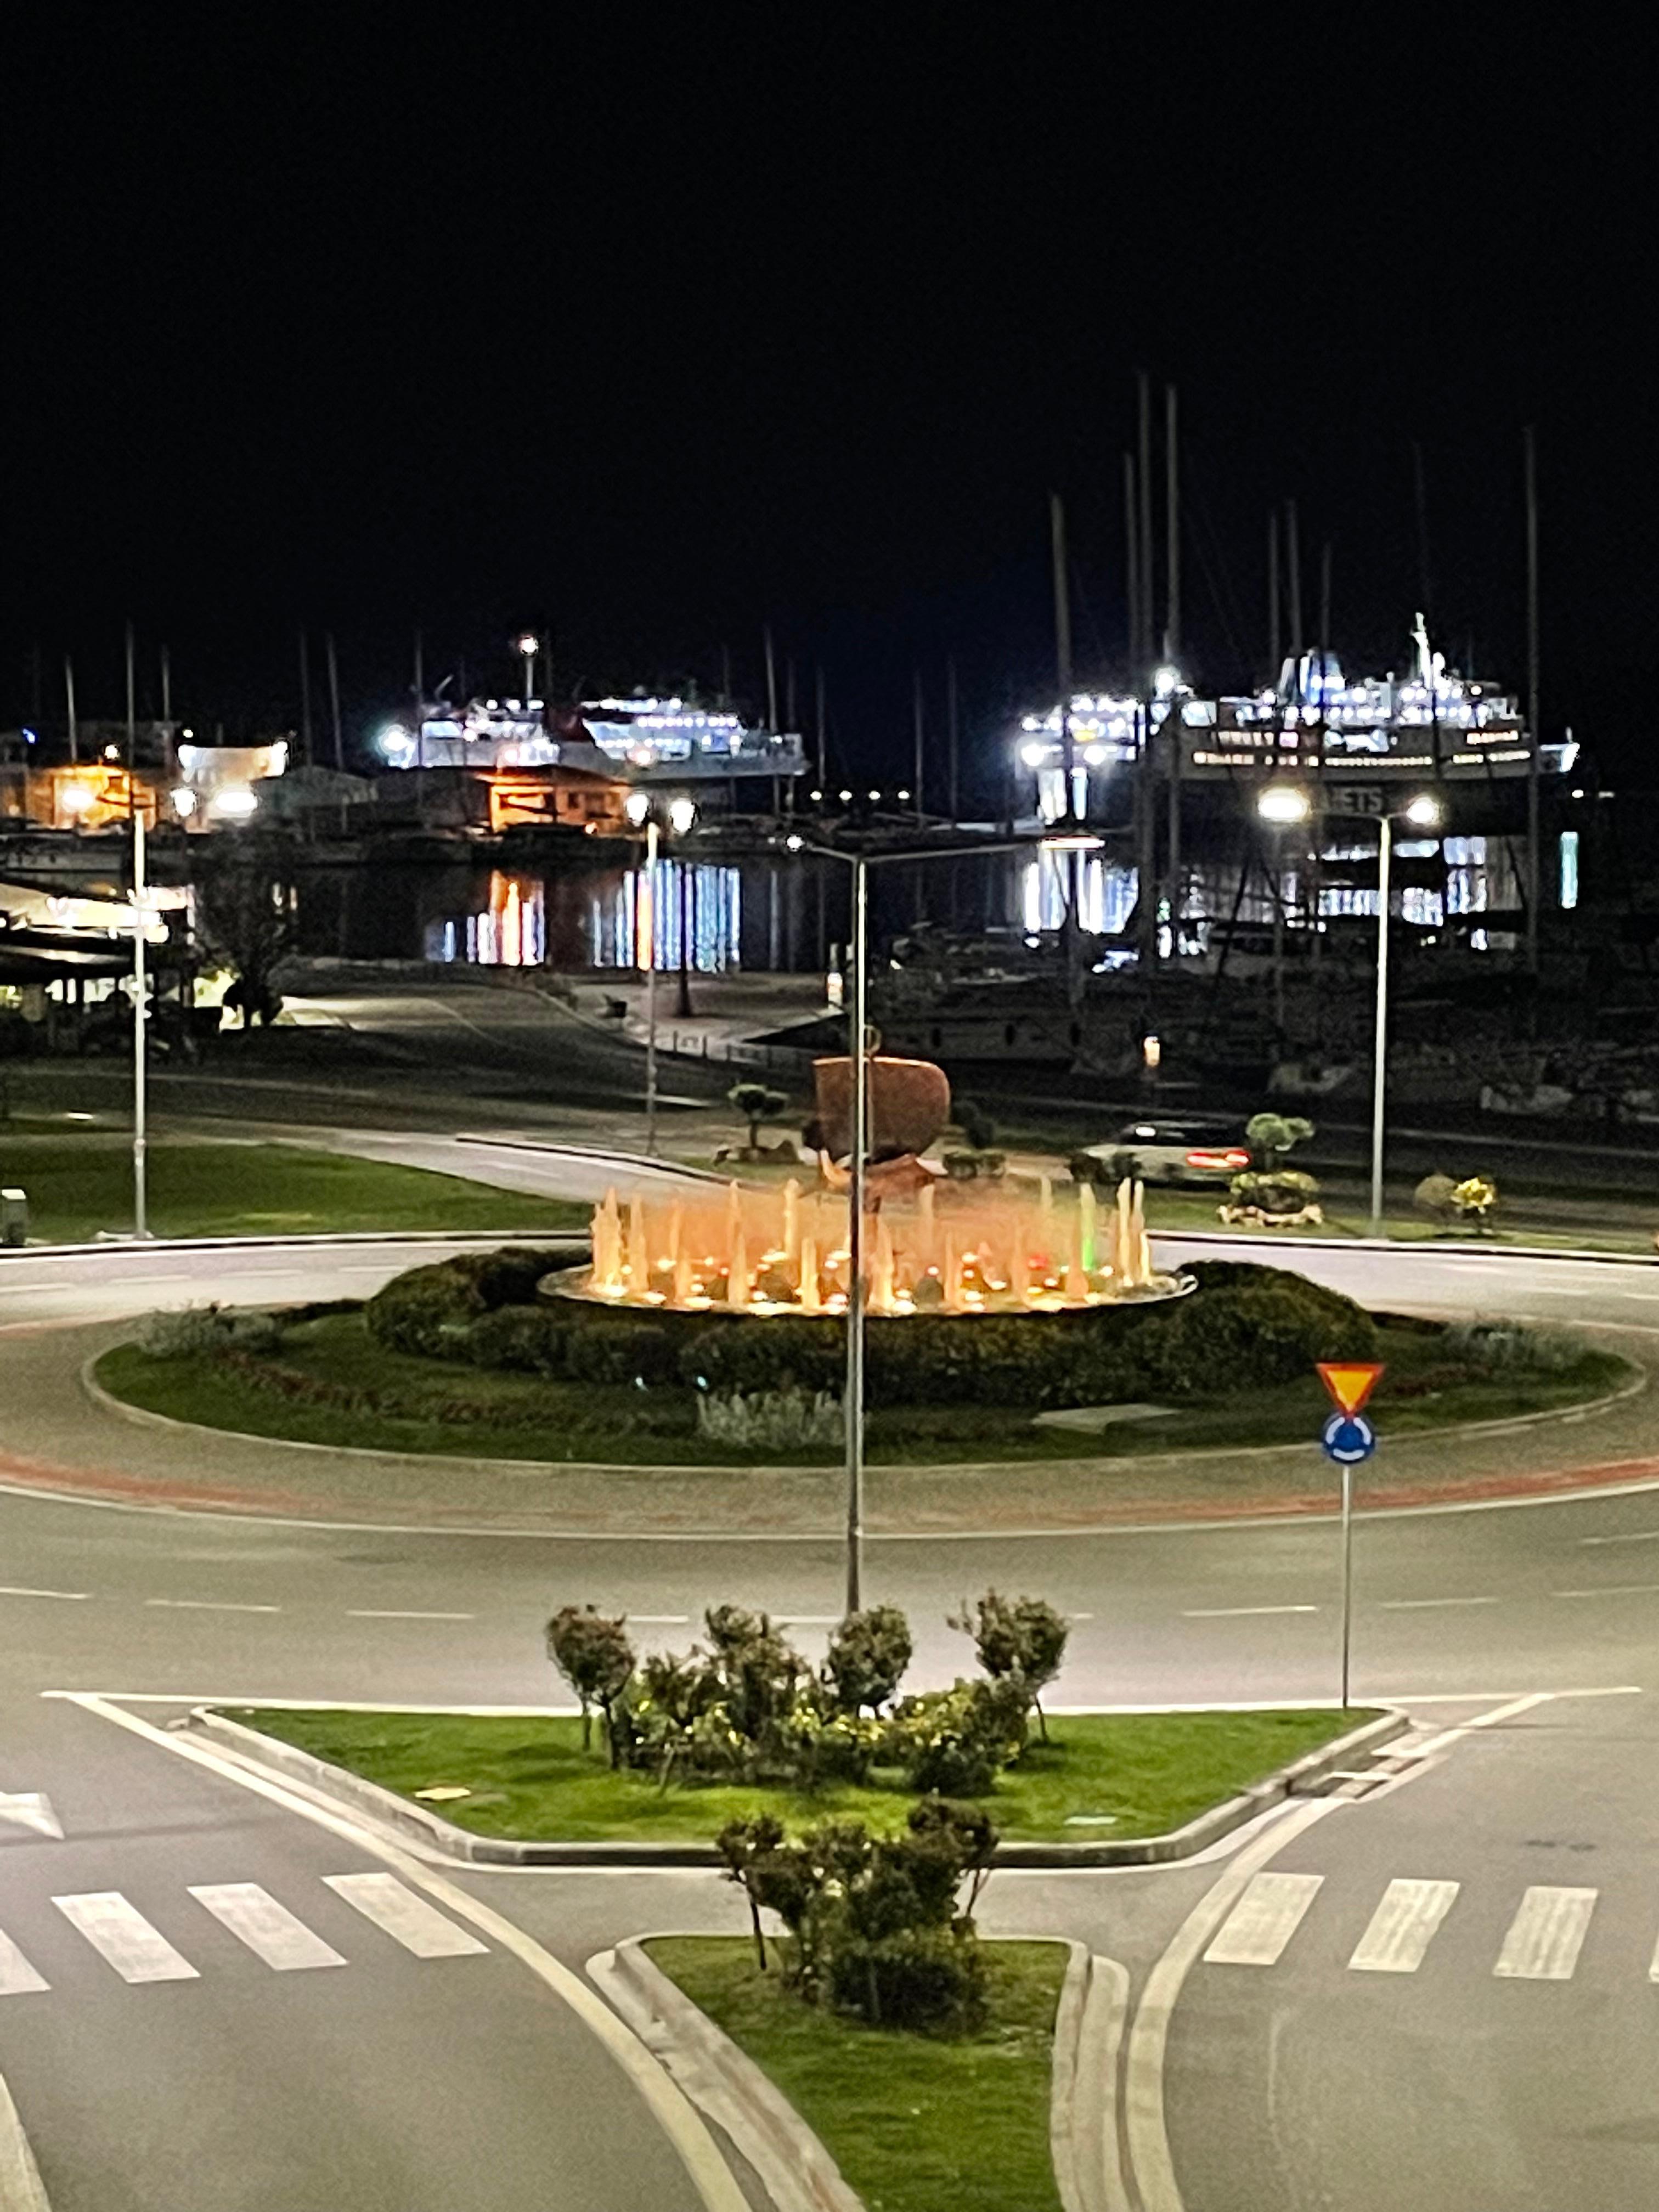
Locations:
(1262, 1325)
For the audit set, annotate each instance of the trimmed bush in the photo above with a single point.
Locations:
(199, 1329)
(523, 1339)
(777, 1420)
(613, 1350)
(428, 1311)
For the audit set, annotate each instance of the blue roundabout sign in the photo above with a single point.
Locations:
(1348, 1438)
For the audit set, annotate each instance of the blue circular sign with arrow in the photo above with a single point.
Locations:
(1348, 1438)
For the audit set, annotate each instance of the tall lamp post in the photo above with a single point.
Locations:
(1283, 803)
(527, 646)
(859, 1053)
(682, 813)
(140, 1037)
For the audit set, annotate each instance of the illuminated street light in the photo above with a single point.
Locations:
(529, 645)
(682, 813)
(1424, 812)
(1284, 804)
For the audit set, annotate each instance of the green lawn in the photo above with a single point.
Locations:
(915, 2123)
(1102, 1777)
(515, 1416)
(78, 1185)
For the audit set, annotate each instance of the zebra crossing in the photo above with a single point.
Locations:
(117, 1933)
(1541, 1943)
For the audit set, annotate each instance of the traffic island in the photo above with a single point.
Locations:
(1106, 1789)
(910, 2121)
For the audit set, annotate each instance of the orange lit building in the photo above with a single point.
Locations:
(571, 798)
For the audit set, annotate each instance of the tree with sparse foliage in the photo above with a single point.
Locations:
(594, 1655)
(244, 919)
(866, 1658)
(756, 1103)
(1020, 1639)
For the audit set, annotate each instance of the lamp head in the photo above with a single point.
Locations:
(1424, 812)
(682, 813)
(637, 807)
(1283, 803)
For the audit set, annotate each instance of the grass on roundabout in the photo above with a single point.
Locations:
(78, 1185)
(451, 1408)
(915, 2123)
(1100, 1777)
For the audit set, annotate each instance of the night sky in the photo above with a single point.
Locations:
(718, 317)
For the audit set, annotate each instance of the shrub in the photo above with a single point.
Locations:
(614, 1350)
(756, 1103)
(427, 1311)
(522, 1340)
(957, 1741)
(1499, 1347)
(1434, 1195)
(1284, 1190)
(1019, 1640)
(976, 1124)
(595, 1657)
(771, 1420)
(867, 1657)
(1475, 1200)
(960, 1166)
(196, 1329)
(790, 1349)
(1271, 1135)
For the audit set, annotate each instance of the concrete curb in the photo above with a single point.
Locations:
(1457, 1248)
(485, 1239)
(444, 1839)
(724, 2084)
(1083, 2114)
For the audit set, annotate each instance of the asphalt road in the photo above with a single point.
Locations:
(1301, 2081)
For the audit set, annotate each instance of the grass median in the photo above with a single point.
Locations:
(451, 1409)
(1102, 1775)
(915, 2123)
(78, 1187)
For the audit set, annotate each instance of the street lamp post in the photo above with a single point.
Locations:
(1283, 803)
(859, 1056)
(529, 645)
(140, 1039)
(682, 813)
(1424, 814)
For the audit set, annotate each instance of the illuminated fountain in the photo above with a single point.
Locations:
(954, 1248)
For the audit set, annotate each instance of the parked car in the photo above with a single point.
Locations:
(1178, 1151)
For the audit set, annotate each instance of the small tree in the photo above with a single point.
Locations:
(1021, 1639)
(756, 1103)
(866, 1658)
(593, 1654)
(1273, 1135)
(976, 1124)
(1434, 1195)
(1475, 1200)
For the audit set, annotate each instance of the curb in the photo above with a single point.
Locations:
(1083, 2131)
(1482, 1247)
(456, 1844)
(722, 2081)
(467, 1239)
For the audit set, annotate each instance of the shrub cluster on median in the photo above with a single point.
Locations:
(747, 1706)
(1262, 1325)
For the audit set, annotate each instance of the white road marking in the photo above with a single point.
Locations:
(809, 1620)
(660, 1619)
(1637, 1536)
(1611, 1589)
(1239, 1612)
(1260, 1924)
(407, 1918)
(372, 1613)
(271, 1932)
(1428, 1604)
(208, 1605)
(1546, 1935)
(16, 1975)
(30, 1808)
(1403, 1926)
(120, 1932)
(78, 1597)
(21, 2188)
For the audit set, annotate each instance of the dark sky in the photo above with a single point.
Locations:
(661, 324)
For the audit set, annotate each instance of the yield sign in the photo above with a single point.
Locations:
(29, 1809)
(1349, 1383)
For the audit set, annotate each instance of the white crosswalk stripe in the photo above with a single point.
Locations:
(1264, 1919)
(407, 1918)
(16, 1975)
(1546, 1935)
(120, 1932)
(1403, 1926)
(270, 1930)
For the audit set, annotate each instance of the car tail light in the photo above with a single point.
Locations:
(1233, 1159)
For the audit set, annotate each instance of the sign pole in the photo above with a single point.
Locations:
(1347, 1578)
